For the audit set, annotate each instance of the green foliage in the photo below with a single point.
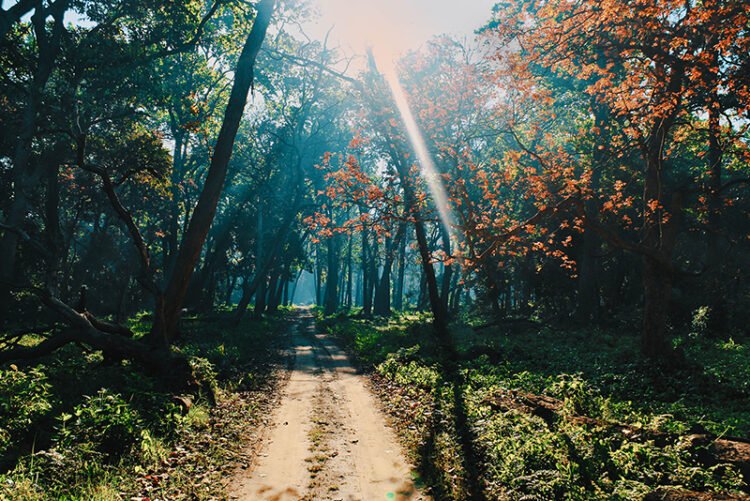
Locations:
(592, 373)
(204, 371)
(411, 373)
(104, 423)
(24, 398)
(578, 395)
(99, 427)
(699, 322)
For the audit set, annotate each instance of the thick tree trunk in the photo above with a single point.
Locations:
(275, 291)
(52, 232)
(169, 308)
(422, 293)
(318, 280)
(231, 284)
(660, 234)
(25, 176)
(260, 299)
(657, 289)
(249, 288)
(382, 303)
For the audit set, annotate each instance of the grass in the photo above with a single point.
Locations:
(74, 427)
(594, 373)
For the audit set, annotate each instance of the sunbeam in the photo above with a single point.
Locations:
(429, 172)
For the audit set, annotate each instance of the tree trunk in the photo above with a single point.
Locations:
(168, 308)
(382, 303)
(248, 290)
(274, 292)
(231, 284)
(657, 289)
(332, 276)
(25, 176)
(260, 298)
(587, 307)
(660, 234)
(366, 278)
(52, 233)
(318, 280)
(445, 285)
(398, 296)
(383, 292)
(172, 238)
(455, 297)
(349, 273)
(263, 268)
(718, 313)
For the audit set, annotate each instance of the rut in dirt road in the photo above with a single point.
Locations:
(328, 439)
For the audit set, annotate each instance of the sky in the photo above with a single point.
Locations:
(393, 27)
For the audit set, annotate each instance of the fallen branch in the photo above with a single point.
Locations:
(708, 449)
(114, 341)
(669, 494)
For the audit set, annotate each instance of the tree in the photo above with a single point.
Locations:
(638, 61)
(169, 306)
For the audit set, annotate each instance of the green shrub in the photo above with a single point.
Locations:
(104, 423)
(579, 397)
(24, 398)
(204, 371)
(699, 322)
(411, 373)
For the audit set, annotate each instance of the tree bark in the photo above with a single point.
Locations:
(25, 176)
(366, 278)
(260, 298)
(657, 289)
(331, 302)
(382, 305)
(398, 296)
(587, 307)
(349, 272)
(447, 268)
(718, 313)
(660, 237)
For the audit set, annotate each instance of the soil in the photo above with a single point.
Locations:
(327, 439)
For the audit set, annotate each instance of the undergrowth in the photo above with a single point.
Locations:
(74, 426)
(594, 373)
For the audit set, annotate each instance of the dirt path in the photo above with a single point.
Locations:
(328, 439)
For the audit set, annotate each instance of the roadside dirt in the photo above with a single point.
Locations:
(328, 440)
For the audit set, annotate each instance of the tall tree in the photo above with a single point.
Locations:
(169, 305)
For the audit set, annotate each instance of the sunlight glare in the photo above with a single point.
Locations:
(429, 171)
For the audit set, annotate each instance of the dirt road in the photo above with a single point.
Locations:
(328, 439)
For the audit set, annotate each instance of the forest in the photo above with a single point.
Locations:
(238, 261)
